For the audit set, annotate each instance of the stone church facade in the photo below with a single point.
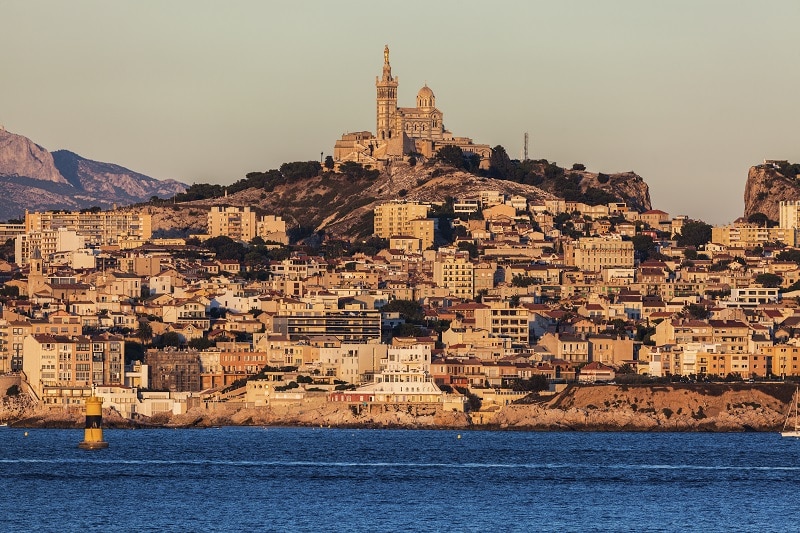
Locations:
(401, 131)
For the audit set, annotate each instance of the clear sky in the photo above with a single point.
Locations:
(689, 94)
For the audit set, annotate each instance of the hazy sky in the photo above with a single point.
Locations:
(689, 94)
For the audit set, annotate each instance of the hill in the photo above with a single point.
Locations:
(35, 179)
(769, 184)
(341, 203)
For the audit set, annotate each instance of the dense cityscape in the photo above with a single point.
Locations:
(465, 304)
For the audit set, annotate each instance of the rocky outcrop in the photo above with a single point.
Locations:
(21, 157)
(673, 407)
(342, 208)
(766, 187)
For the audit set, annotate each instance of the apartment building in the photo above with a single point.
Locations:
(597, 253)
(97, 227)
(456, 274)
(503, 320)
(242, 224)
(404, 218)
(746, 235)
(46, 243)
(59, 367)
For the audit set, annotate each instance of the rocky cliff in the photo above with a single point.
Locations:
(766, 187)
(21, 157)
(673, 407)
(32, 178)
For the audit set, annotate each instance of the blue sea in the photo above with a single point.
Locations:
(304, 479)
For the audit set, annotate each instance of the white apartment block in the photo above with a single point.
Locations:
(47, 242)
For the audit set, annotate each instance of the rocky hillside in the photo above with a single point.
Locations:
(673, 407)
(342, 205)
(767, 186)
(32, 178)
(21, 157)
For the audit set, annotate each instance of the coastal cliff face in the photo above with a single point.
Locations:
(674, 407)
(766, 187)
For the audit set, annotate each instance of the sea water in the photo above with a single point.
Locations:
(304, 479)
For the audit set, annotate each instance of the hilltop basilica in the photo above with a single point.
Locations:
(401, 131)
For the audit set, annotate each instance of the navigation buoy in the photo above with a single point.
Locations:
(26, 433)
(93, 434)
(459, 436)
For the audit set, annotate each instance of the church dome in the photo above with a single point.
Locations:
(425, 97)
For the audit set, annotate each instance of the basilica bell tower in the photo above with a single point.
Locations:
(386, 101)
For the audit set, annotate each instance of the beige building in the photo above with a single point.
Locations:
(409, 219)
(99, 228)
(746, 235)
(47, 243)
(400, 131)
(503, 320)
(456, 274)
(789, 214)
(597, 253)
(242, 224)
(57, 366)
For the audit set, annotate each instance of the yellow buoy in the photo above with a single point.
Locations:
(26, 433)
(459, 436)
(93, 434)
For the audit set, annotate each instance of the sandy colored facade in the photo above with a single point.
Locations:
(400, 131)
(597, 253)
(99, 228)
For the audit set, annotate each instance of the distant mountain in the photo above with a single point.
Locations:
(32, 178)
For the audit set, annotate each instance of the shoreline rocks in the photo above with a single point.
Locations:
(646, 408)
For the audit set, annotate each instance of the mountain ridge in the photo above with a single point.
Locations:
(35, 179)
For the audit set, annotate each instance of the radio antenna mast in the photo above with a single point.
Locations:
(526, 147)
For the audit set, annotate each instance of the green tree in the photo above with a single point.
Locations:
(694, 233)
(698, 312)
(409, 310)
(536, 383)
(200, 343)
(644, 246)
(769, 280)
(578, 166)
(329, 163)
(451, 155)
(625, 368)
(500, 165)
(299, 170)
(469, 247)
(789, 255)
(13, 390)
(762, 220)
(133, 352)
(170, 338)
(145, 332)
